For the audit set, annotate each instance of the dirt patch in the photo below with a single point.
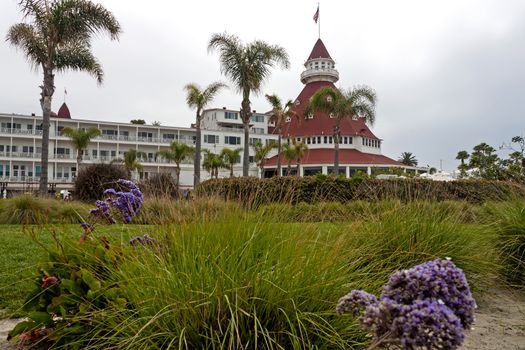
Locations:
(5, 327)
(500, 322)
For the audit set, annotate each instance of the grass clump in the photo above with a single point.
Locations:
(30, 210)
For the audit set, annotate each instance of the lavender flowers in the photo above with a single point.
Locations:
(128, 203)
(428, 306)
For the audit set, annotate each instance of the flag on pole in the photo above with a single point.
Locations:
(316, 15)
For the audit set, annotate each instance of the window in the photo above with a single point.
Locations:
(15, 170)
(313, 140)
(144, 136)
(325, 139)
(307, 140)
(332, 115)
(251, 159)
(104, 153)
(13, 148)
(330, 139)
(258, 130)
(59, 129)
(109, 132)
(213, 139)
(255, 140)
(113, 153)
(172, 136)
(38, 170)
(288, 119)
(257, 118)
(94, 153)
(310, 116)
(231, 115)
(271, 141)
(232, 140)
(345, 140)
(27, 149)
(319, 139)
(29, 126)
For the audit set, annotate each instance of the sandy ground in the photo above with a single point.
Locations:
(500, 323)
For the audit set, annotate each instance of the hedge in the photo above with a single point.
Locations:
(312, 189)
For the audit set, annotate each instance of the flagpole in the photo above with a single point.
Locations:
(319, 22)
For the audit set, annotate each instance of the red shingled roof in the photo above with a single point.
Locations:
(63, 112)
(346, 157)
(319, 51)
(321, 124)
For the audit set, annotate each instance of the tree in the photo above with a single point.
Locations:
(177, 153)
(358, 102)
(212, 162)
(58, 38)
(261, 154)
(485, 162)
(156, 123)
(131, 160)
(300, 149)
(408, 159)
(138, 121)
(199, 99)
(247, 66)
(230, 157)
(289, 153)
(80, 139)
(462, 156)
(279, 114)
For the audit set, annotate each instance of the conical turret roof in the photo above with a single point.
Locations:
(319, 51)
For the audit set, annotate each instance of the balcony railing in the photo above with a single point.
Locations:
(20, 131)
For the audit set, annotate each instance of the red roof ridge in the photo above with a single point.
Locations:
(63, 112)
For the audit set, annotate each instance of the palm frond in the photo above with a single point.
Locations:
(25, 37)
(78, 58)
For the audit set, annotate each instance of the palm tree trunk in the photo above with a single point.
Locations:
(289, 167)
(231, 170)
(245, 116)
(177, 173)
(279, 153)
(46, 98)
(197, 164)
(298, 167)
(337, 132)
(79, 159)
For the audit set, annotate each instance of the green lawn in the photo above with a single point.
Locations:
(20, 256)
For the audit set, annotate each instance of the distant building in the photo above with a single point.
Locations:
(360, 149)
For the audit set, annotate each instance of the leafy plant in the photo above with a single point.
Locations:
(93, 179)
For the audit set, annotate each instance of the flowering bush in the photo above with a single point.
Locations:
(75, 282)
(428, 306)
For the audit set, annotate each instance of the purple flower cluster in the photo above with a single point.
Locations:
(128, 203)
(428, 306)
(143, 240)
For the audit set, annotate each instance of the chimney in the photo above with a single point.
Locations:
(32, 114)
(223, 107)
(254, 111)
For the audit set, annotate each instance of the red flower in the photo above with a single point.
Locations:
(49, 281)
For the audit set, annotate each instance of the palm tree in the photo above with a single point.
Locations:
(58, 38)
(177, 153)
(358, 102)
(261, 153)
(230, 157)
(212, 162)
(408, 158)
(289, 153)
(462, 156)
(279, 114)
(300, 149)
(80, 139)
(247, 66)
(199, 99)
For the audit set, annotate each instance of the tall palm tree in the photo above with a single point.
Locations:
(247, 66)
(279, 114)
(289, 153)
(80, 139)
(462, 156)
(408, 158)
(261, 153)
(230, 157)
(300, 149)
(57, 37)
(199, 99)
(177, 153)
(358, 102)
(212, 162)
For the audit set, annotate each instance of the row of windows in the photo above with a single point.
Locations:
(18, 170)
(345, 140)
(233, 140)
(371, 143)
(23, 149)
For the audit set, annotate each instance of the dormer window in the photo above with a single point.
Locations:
(329, 99)
(297, 102)
(310, 116)
(332, 115)
(288, 119)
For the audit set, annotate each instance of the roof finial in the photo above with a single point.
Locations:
(65, 94)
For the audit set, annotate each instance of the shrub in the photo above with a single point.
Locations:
(26, 209)
(253, 191)
(508, 220)
(93, 179)
(160, 185)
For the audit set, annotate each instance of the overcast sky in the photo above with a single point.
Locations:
(449, 74)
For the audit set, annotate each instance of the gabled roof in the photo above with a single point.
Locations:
(319, 51)
(321, 124)
(346, 157)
